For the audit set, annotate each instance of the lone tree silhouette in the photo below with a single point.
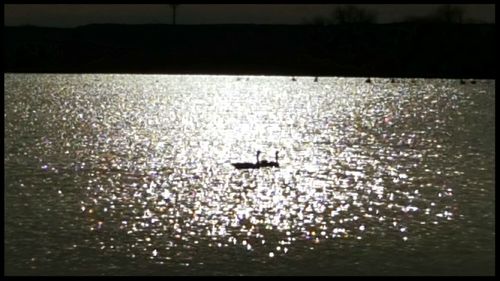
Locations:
(351, 14)
(174, 11)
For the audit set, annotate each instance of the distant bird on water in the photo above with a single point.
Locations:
(368, 80)
(258, 164)
(265, 163)
(248, 165)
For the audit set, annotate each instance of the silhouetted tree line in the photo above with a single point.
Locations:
(392, 50)
(350, 14)
(445, 14)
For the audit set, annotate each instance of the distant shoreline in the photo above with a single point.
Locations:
(372, 77)
(465, 51)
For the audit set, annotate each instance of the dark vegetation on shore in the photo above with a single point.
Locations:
(427, 50)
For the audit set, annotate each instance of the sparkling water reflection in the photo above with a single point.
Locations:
(108, 171)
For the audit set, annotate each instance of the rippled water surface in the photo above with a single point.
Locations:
(131, 174)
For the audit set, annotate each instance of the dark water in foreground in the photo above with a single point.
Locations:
(131, 174)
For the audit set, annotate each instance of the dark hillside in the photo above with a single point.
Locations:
(391, 50)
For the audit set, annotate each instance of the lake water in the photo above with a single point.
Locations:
(132, 175)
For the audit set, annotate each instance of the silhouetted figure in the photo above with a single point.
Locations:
(248, 165)
(462, 81)
(316, 79)
(265, 163)
(473, 81)
(293, 79)
(393, 80)
(368, 80)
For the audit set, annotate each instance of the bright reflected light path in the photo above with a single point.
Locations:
(139, 166)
